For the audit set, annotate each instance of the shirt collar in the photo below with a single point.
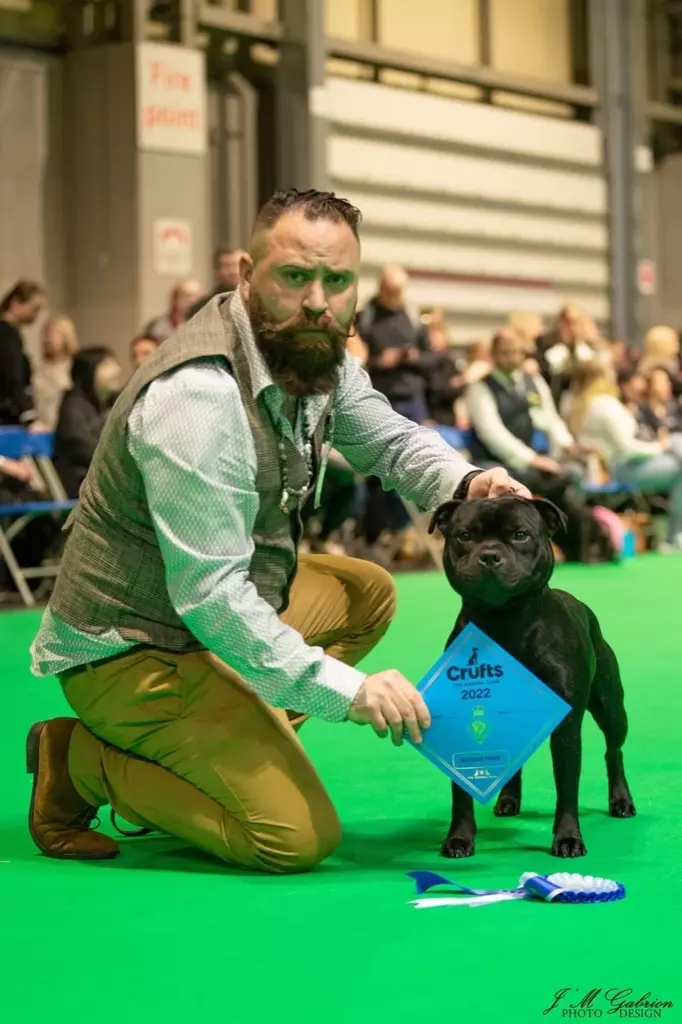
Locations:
(508, 380)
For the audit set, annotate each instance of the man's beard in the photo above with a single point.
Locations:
(301, 365)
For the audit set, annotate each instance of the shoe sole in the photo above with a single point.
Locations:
(32, 759)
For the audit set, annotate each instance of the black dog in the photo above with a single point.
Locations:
(498, 557)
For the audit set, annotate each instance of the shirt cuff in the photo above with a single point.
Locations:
(343, 679)
(452, 481)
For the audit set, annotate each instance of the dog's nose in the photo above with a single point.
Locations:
(489, 558)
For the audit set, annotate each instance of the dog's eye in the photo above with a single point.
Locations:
(520, 535)
(463, 536)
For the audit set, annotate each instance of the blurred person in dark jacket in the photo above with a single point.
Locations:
(19, 308)
(226, 264)
(397, 342)
(444, 385)
(96, 375)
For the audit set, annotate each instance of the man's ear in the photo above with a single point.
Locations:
(245, 274)
(552, 516)
(443, 514)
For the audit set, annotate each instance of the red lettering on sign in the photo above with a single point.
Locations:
(171, 117)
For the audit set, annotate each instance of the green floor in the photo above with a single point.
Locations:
(162, 935)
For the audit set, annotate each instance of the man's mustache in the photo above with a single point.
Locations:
(302, 323)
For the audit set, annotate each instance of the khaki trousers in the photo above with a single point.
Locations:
(180, 742)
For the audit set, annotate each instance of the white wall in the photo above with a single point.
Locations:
(489, 209)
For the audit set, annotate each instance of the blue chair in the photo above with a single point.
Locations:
(17, 443)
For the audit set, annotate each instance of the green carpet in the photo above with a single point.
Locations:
(162, 934)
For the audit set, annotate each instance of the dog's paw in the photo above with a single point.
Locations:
(621, 805)
(458, 846)
(568, 846)
(507, 806)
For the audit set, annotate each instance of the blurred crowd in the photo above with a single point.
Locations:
(590, 422)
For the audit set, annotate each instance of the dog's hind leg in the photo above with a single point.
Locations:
(460, 838)
(607, 707)
(509, 801)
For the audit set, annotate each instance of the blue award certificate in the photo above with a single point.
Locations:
(488, 714)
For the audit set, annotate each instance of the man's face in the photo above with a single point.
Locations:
(142, 350)
(227, 270)
(508, 352)
(301, 295)
(27, 313)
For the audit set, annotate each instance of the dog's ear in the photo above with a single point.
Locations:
(553, 517)
(443, 514)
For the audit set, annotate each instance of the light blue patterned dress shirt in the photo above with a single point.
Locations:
(189, 434)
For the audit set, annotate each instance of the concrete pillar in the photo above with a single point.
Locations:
(137, 184)
(301, 124)
(618, 58)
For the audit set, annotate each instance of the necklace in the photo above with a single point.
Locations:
(289, 492)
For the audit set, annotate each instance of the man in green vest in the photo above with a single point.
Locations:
(188, 638)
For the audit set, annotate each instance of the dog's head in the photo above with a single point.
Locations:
(498, 549)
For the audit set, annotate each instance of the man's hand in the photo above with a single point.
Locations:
(389, 358)
(495, 483)
(386, 701)
(547, 465)
(20, 471)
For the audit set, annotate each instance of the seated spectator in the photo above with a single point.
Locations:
(17, 486)
(444, 385)
(506, 410)
(96, 375)
(52, 375)
(141, 349)
(182, 298)
(20, 307)
(226, 263)
(632, 389)
(507, 407)
(604, 424)
(661, 412)
(529, 328)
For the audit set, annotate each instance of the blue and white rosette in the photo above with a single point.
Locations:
(559, 887)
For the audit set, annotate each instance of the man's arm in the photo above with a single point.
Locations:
(485, 418)
(190, 438)
(376, 441)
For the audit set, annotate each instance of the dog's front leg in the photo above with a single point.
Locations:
(566, 746)
(460, 840)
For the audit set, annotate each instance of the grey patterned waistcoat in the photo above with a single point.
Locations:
(112, 572)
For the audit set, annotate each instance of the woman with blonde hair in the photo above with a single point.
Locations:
(600, 422)
(52, 377)
(661, 349)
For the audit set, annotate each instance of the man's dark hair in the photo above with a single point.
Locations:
(23, 291)
(223, 250)
(313, 204)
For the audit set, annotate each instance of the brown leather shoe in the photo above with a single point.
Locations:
(59, 818)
